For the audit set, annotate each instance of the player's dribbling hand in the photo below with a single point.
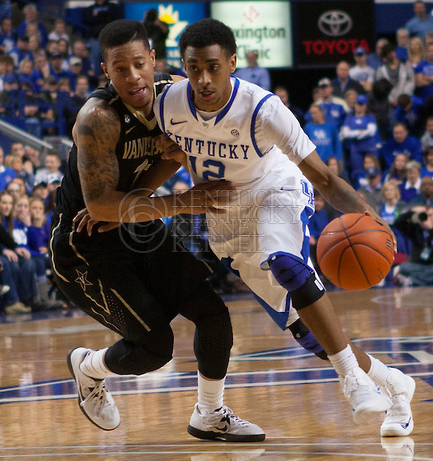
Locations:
(386, 225)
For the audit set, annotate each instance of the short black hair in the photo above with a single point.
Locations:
(122, 31)
(208, 32)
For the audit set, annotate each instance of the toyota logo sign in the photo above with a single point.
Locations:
(334, 23)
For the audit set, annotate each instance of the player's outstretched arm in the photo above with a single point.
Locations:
(336, 191)
(96, 134)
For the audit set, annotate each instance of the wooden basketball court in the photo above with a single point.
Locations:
(294, 397)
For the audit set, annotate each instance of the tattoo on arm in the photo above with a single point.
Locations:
(97, 137)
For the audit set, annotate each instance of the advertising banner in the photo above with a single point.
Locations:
(264, 27)
(327, 32)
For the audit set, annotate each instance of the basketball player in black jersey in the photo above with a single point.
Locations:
(136, 278)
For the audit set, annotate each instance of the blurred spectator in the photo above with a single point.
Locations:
(78, 99)
(417, 224)
(403, 37)
(31, 17)
(426, 194)
(7, 37)
(360, 180)
(400, 143)
(400, 75)
(22, 267)
(64, 51)
(17, 148)
(51, 171)
(27, 237)
(96, 17)
(25, 74)
(323, 134)
(20, 51)
(254, 73)
(75, 69)
(52, 47)
(391, 206)
(41, 70)
(427, 169)
(10, 87)
(158, 33)
(34, 46)
(374, 60)
(59, 31)
(372, 192)
(416, 52)
(410, 188)
(350, 98)
(336, 167)
(41, 191)
(283, 94)
(409, 110)
(16, 163)
(424, 74)
(389, 211)
(5, 9)
(359, 135)
(343, 82)
(15, 188)
(81, 50)
(6, 173)
(421, 22)
(56, 69)
(32, 154)
(427, 137)
(334, 108)
(397, 173)
(361, 72)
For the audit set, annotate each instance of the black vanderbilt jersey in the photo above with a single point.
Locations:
(135, 151)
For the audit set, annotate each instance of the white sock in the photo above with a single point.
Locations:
(344, 361)
(94, 366)
(378, 371)
(210, 394)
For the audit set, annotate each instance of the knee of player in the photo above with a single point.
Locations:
(215, 331)
(298, 279)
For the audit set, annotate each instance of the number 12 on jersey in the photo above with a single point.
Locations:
(212, 169)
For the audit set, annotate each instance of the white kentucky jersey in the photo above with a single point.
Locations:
(242, 143)
(255, 142)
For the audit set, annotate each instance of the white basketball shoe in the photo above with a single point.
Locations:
(222, 424)
(365, 397)
(398, 420)
(94, 399)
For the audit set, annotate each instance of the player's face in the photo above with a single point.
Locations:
(130, 69)
(209, 70)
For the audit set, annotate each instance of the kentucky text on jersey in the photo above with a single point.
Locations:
(212, 148)
(139, 148)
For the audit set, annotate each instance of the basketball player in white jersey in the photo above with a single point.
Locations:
(233, 130)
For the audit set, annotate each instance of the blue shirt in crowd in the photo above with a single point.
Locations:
(326, 139)
(411, 147)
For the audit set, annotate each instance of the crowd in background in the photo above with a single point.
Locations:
(372, 124)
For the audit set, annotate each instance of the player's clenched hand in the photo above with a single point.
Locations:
(211, 196)
(171, 151)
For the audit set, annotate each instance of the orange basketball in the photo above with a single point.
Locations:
(355, 252)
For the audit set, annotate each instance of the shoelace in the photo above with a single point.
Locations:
(97, 397)
(224, 415)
